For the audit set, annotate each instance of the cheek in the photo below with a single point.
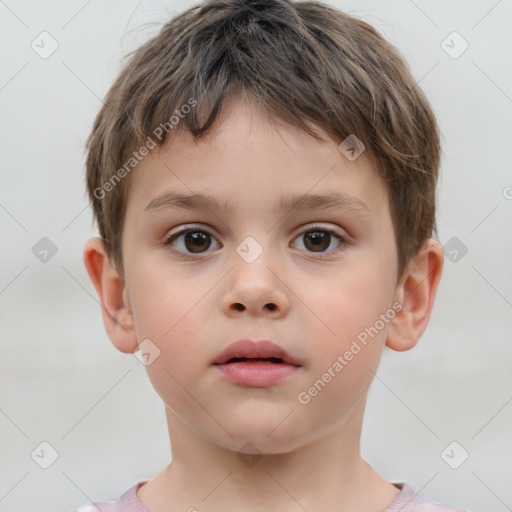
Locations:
(170, 307)
(344, 305)
(348, 326)
(161, 302)
(341, 373)
(181, 363)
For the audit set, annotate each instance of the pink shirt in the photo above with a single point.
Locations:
(406, 501)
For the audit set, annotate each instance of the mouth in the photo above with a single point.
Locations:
(255, 351)
(275, 360)
(255, 363)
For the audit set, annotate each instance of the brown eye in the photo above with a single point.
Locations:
(190, 241)
(319, 240)
(197, 241)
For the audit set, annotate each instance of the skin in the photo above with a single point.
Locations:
(320, 301)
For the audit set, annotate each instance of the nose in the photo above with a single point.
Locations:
(255, 289)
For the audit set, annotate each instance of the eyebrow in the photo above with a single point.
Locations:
(332, 200)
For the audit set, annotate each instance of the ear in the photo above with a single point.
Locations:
(116, 310)
(416, 292)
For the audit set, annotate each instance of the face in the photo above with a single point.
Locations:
(309, 278)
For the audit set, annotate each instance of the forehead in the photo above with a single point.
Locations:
(251, 155)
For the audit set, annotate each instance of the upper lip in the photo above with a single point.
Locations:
(262, 349)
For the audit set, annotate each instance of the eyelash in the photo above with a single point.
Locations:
(198, 229)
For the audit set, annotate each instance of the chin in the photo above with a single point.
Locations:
(261, 437)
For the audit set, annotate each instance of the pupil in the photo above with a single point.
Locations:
(318, 239)
(196, 240)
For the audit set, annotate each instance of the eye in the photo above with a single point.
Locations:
(194, 240)
(317, 239)
(191, 241)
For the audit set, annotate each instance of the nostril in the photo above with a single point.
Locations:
(271, 306)
(239, 307)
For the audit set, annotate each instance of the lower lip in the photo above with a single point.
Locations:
(258, 375)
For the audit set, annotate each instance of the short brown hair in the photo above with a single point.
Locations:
(303, 62)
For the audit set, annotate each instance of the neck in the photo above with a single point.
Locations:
(326, 474)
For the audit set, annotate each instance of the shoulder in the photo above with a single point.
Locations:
(409, 501)
(127, 502)
(103, 506)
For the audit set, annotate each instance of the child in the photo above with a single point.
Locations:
(263, 175)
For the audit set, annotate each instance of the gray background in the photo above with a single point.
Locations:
(63, 382)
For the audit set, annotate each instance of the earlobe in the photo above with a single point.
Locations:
(116, 310)
(416, 293)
